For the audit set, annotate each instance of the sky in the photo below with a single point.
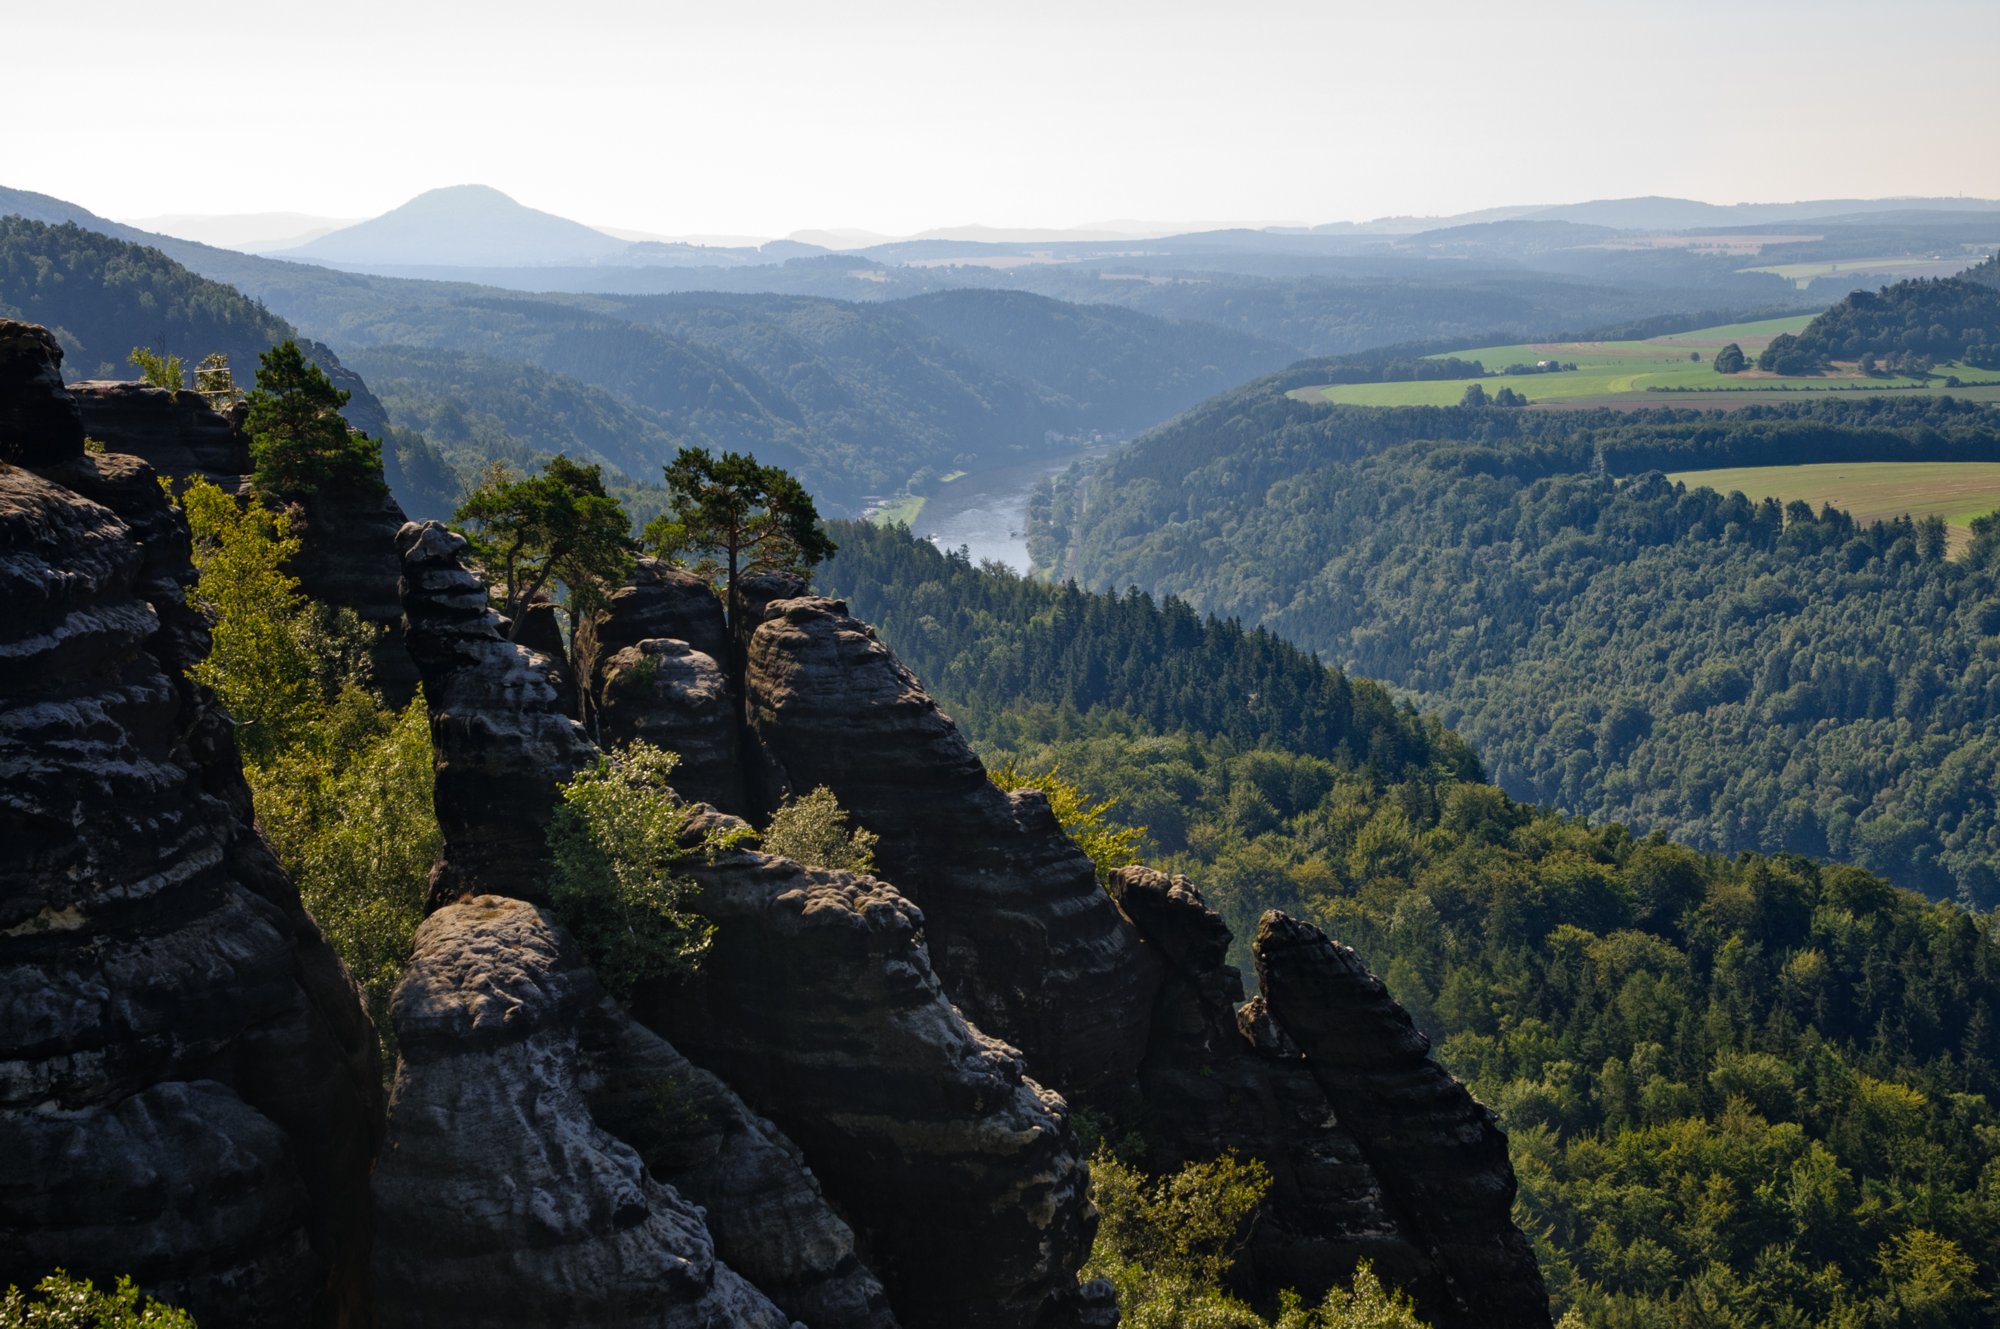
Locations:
(763, 117)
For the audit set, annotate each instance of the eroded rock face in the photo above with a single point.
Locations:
(348, 558)
(1022, 935)
(675, 697)
(1441, 1155)
(177, 433)
(499, 1200)
(818, 1005)
(347, 532)
(188, 1083)
(501, 738)
(1218, 1078)
(658, 601)
(39, 422)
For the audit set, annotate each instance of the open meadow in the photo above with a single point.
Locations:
(1958, 491)
(1654, 372)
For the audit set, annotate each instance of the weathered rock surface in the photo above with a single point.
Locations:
(818, 1005)
(177, 433)
(188, 1085)
(500, 1201)
(1022, 935)
(501, 738)
(348, 558)
(658, 601)
(675, 697)
(39, 422)
(656, 666)
(1211, 1085)
(347, 533)
(1441, 1156)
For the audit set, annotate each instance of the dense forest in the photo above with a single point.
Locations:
(101, 297)
(1740, 1092)
(1943, 319)
(1739, 675)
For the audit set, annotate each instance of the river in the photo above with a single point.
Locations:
(987, 511)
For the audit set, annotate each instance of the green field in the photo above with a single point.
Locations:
(1872, 271)
(1619, 373)
(1958, 491)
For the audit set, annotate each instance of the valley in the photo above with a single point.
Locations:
(1004, 777)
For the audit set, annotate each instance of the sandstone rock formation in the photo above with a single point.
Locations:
(188, 1084)
(501, 738)
(819, 1006)
(500, 1200)
(1216, 1080)
(39, 422)
(1023, 937)
(656, 667)
(347, 533)
(1439, 1152)
(177, 433)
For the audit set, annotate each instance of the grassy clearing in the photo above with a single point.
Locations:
(903, 511)
(1872, 491)
(1620, 373)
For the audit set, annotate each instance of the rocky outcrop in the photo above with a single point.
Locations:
(656, 667)
(764, 1206)
(1440, 1154)
(675, 697)
(1022, 935)
(1219, 1076)
(500, 1200)
(500, 736)
(188, 1085)
(347, 532)
(348, 558)
(178, 433)
(657, 602)
(818, 1005)
(39, 422)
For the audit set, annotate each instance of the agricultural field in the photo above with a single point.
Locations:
(1958, 491)
(1620, 374)
(1876, 271)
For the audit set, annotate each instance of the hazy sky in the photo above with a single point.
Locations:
(763, 118)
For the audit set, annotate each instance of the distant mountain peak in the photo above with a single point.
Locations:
(469, 225)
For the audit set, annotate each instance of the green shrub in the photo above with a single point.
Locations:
(615, 841)
(62, 1302)
(1107, 844)
(1166, 1245)
(812, 829)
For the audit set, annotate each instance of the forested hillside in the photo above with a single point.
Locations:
(1737, 675)
(101, 297)
(1945, 319)
(1749, 1092)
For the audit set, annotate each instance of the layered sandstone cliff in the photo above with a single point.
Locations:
(188, 1085)
(856, 1115)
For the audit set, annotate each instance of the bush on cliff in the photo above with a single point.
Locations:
(812, 829)
(1167, 1245)
(62, 1302)
(342, 783)
(616, 841)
